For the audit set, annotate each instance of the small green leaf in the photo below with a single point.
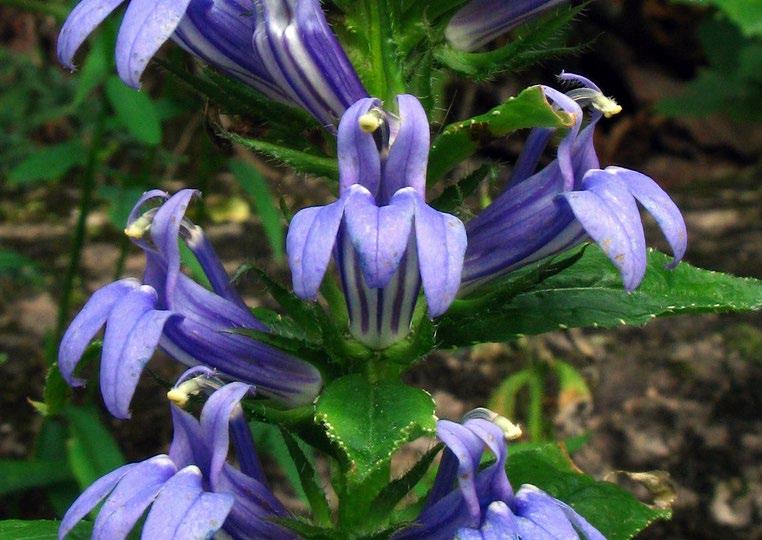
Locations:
(321, 512)
(92, 451)
(590, 293)
(616, 513)
(371, 421)
(383, 505)
(301, 161)
(255, 186)
(43, 529)
(48, 163)
(453, 197)
(135, 111)
(96, 67)
(460, 140)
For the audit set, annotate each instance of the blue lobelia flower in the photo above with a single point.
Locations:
(387, 241)
(169, 310)
(484, 505)
(480, 21)
(295, 58)
(192, 492)
(541, 213)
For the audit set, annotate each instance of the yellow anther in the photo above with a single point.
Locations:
(511, 431)
(181, 394)
(607, 105)
(139, 227)
(178, 397)
(371, 121)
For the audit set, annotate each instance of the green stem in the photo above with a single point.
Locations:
(535, 421)
(387, 82)
(43, 7)
(78, 240)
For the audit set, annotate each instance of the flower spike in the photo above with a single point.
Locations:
(283, 48)
(484, 505)
(169, 310)
(569, 201)
(387, 242)
(193, 492)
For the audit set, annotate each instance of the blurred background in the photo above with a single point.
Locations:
(678, 399)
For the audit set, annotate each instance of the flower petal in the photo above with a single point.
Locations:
(90, 498)
(304, 58)
(359, 161)
(80, 23)
(441, 242)
(481, 21)
(119, 326)
(205, 517)
(542, 510)
(499, 523)
(466, 447)
(660, 206)
(379, 235)
(165, 232)
(215, 424)
(309, 244)
(134, 493)
(182, 507)
(188, 446)
(146, 26)
(580, 524)
(409, 153)
(138, 350)
(610, 216)
(87, 323)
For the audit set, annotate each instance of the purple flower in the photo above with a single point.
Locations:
(192, 492)
(295, 58)
(386, 240)
(480, 21)
(569, 201)
(484, 505)
(169, 310)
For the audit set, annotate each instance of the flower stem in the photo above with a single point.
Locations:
(387, 81)
(78, 240)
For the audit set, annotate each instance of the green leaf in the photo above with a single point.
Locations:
(43, 529)
(746, 14)
(92, 451)
(51, 446)
(301, 161)
(453, 197)
(255, 186)
(371, 421)
(48, 163)
(135, 111)
(461, 140)
(19, 475)
(321, 512)
(590, 293)
(616, 513)
(96, 67)
(382, 506)
(268, 439)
